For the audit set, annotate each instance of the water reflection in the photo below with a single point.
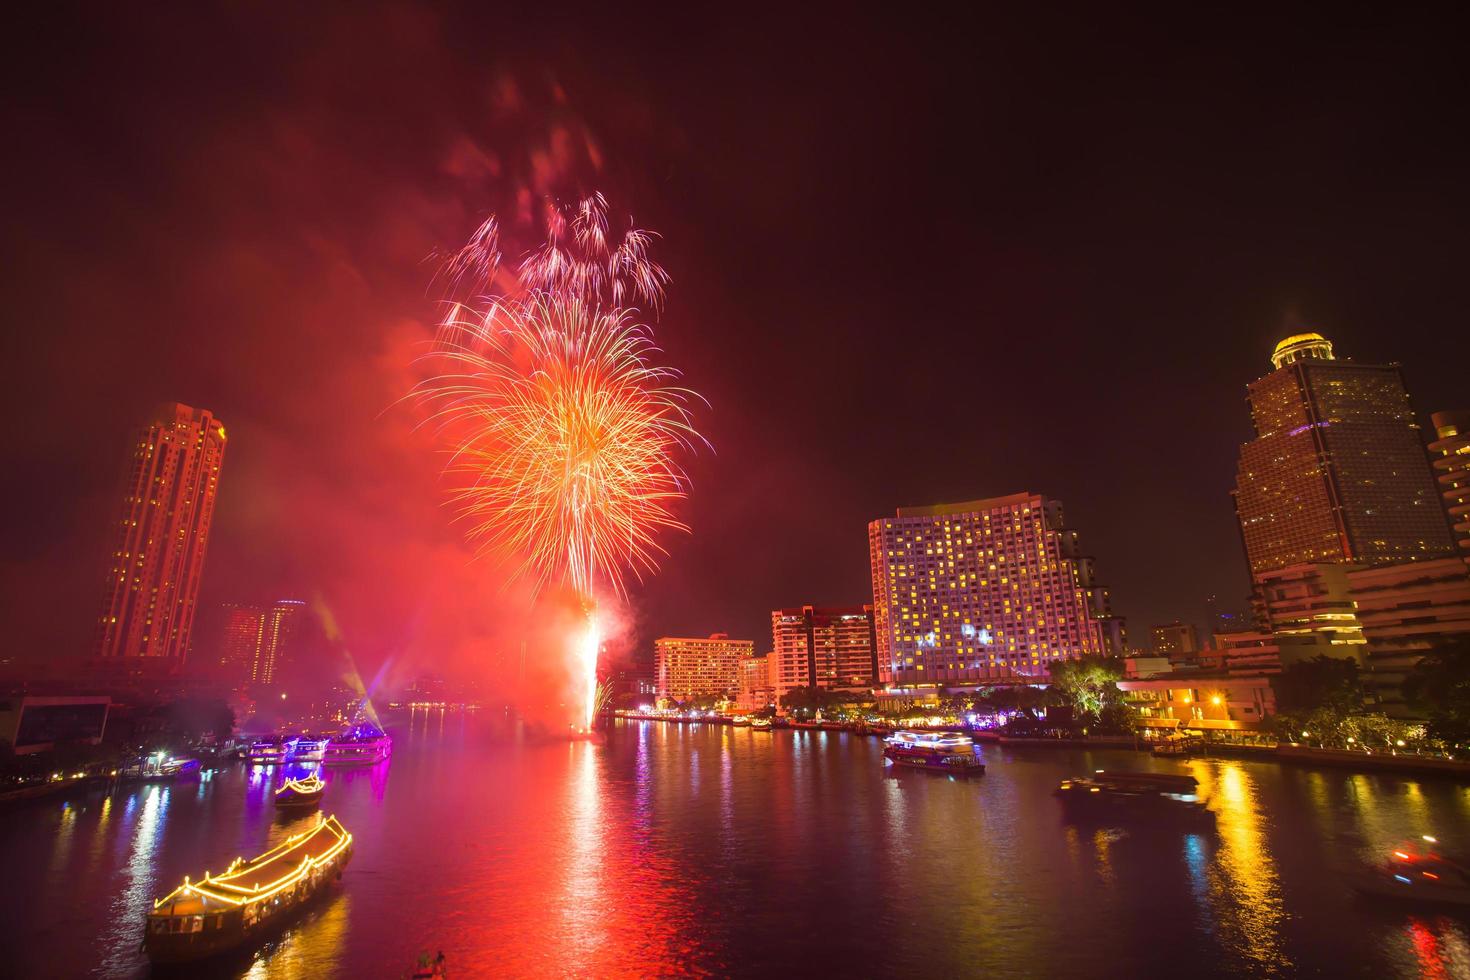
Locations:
(1244, 883)
(670, 850)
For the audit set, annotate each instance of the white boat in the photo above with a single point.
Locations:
(935, 751)
(360, 745)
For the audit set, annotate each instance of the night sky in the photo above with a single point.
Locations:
(913, 261)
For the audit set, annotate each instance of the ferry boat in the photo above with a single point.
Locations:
(760, 724)
(935, 751)
(300, 793)
(221, 912)
(740, 721)
(1430, 878)
(267, 752)
(359, 745)
(1134, 794)
(306, 749)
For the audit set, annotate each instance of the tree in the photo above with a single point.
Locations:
(1323, 683)
(1088, 685)
(808, 700)
(1439, 686)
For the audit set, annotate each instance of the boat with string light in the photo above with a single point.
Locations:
(359, 745)
(948, 752)
(250, 899)
(268, 751)
(300, 794)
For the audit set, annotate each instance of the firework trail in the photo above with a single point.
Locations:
(564, 436)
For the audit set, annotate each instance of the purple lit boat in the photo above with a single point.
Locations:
(946, 752)
(360, 745)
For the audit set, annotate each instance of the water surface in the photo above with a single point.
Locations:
(711, 850)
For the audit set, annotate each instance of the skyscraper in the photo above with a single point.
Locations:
(966, 592)
(823, 646)
(241, 633)
(1337, 470)
(256, 642)
(160, 538)
(1452, 465)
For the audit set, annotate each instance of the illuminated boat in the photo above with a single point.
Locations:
(358, 746)
(740, 721)
(1409, 876)
(760, 724)
(935, 751)
(267, 752)
(1110, 793)
(305, 748)
(221, 912)
(300, 793)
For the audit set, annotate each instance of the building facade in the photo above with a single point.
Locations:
(686, 667)
(1175, 640)
(830, 647)
(1405, 611)
(1337, 471)
(964, 593)
(162, 530)
(1451, 449)
(756, 689)
(256, 642)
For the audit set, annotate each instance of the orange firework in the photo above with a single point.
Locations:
(565, 436)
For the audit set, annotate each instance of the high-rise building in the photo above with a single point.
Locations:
(1337, 470)
(823, 646)
(256, 643)
(1176, 640)
(964, 593)
(160, 537)
(1452, 464)
(282, 620)
(686, 667)
(242, 630)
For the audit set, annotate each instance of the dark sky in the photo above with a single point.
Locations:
(914, 261)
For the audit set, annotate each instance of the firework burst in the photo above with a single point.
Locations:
(564, 435)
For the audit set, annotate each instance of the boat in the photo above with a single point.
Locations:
(267, 751)
(300, 793)
(740, 721)
(1407, 875)
(218, 913)
(760, 724)
(933, 751)
(1134, 794)
(810, 725)
(358, 745)
(306, 749)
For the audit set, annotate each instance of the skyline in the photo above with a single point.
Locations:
(306, 283)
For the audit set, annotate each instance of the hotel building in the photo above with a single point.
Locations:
(1451, 448)
(830, 647)
(161, 532)
(973, 592)
(686, 667)
(1337, 471)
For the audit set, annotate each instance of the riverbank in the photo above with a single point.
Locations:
(1362, 760)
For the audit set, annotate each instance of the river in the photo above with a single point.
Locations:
(670, 850)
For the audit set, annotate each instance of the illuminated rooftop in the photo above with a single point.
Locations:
(1301, 347)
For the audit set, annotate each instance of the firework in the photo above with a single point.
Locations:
(564, 435)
